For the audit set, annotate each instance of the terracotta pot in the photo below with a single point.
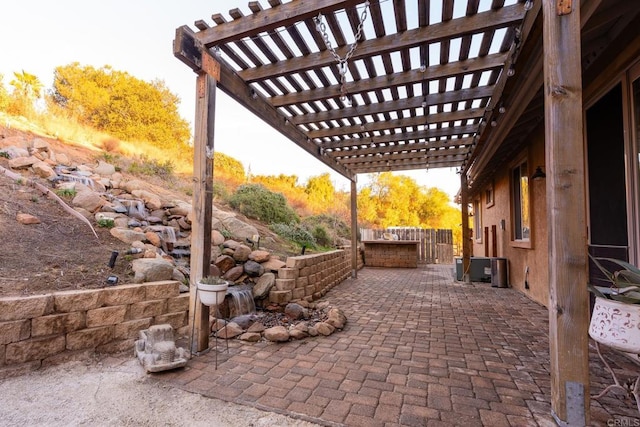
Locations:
(212, 294)
(616, 324)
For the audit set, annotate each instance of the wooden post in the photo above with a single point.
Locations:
(466, 235)
(566, 216)
(354, 228)
(202, 208)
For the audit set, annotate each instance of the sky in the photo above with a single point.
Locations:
(136, 36)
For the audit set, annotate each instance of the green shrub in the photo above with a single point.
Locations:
(106, 222)
(66, 192)
(321, 236)
(149, 167)
(294, 233)
(255, 201)
(4, 154)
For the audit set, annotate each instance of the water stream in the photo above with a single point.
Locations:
(241, 301)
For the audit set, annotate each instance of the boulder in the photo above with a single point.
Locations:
(151, 200)
(264, 285)
(336, 318)
(23, 162)
(257, 327)
(325, 329)
(297, 334)
(225, 263)
(88, 200)
(259, 256)
(295, 311)
(217, 238)
(104, 169)
(253, 269)
(251, 337)
(234, 273)
(43, 170)
(151, 270)
(277, 334)
(231, 330)
(273, 264)
(239, 229)
(27, 219)
(241, 253)
(126, 235)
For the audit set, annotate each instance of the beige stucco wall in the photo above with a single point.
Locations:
(535, 256)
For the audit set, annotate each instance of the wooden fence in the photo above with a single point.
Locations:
(436, 246)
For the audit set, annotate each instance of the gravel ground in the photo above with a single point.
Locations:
(117, 392)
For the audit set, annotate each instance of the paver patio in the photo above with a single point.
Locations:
(419, 349)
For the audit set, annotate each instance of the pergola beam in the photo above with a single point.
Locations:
(435, 72)
(280, 16)
(423, 36)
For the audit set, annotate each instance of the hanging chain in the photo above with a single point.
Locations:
(342, 62)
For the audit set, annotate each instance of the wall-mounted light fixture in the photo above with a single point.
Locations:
(538, 174)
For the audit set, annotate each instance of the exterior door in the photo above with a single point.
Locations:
(607, 186)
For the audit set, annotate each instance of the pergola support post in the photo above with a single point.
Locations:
(202, 208)
(566, 216)
(354, 228)
(466, 233)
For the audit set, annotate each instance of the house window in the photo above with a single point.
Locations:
(520, 202)
(477, 220)
(488, 196)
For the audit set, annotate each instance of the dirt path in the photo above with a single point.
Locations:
(117, 392)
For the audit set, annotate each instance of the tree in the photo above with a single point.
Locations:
(320, 193)
(4, 95)
(228, 169)
(26, 90)
(120, 104)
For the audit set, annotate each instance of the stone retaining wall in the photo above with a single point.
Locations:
(52, 328)
(309, 277)
(49, 329)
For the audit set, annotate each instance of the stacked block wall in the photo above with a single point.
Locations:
(391, 255)
(309, 277)
(48, 329)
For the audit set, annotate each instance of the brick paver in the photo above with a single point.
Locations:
(419, 349)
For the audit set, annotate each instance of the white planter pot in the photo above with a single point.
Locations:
(212, 294)
(616, 325)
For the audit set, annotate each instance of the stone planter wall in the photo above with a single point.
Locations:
(52, 328)
(309, 277)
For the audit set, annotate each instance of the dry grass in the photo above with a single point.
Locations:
(71, 132)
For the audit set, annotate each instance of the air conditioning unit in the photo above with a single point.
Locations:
(479, 270)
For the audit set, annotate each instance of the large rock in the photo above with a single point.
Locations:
(241, 253)
(27, 219)
(15, 152)
(151, 200)
(151, 270)
(23, 162)
(104, 169)
(250, 337)
(277, 334)
(259, 256)
(126, 235)
(264, 285)
(217, 238)
(239, 229)
(295, 311)
(43, 170)
(225, 263)
(273, 264)
(325, 329)
(231, 330)
(253, 269)
(88, 200)
(234, 273)
(336, 318)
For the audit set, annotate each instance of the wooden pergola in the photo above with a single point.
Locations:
(373, 86)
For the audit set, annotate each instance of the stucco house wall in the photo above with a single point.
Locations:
(528, 268)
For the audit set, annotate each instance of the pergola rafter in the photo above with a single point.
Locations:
(397, 91)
